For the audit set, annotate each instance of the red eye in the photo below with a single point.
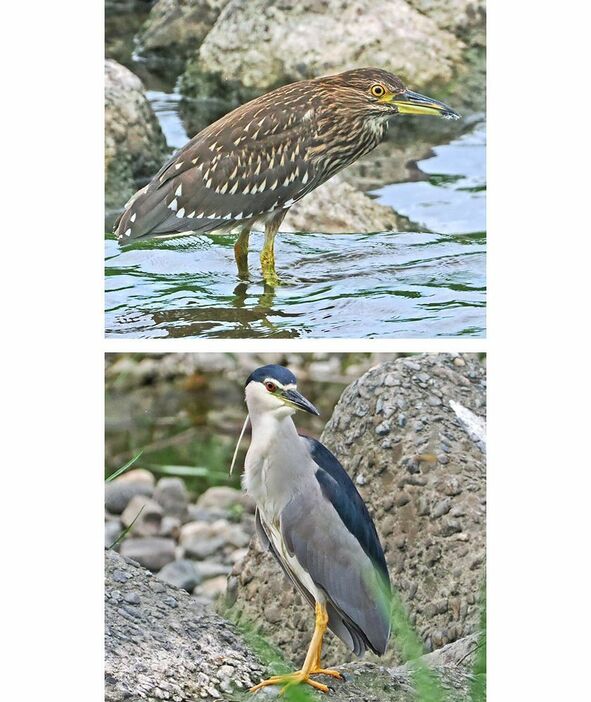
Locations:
(271, 387)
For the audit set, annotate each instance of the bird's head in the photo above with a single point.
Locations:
(273, 390)
(380, 94)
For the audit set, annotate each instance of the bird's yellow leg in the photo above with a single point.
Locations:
(268, 252)
(311, 664)
(241, 252)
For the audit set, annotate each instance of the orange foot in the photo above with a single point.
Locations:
(297, 679)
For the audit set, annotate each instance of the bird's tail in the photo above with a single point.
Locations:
(146, 214)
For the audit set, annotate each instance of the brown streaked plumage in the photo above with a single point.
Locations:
(252, 164)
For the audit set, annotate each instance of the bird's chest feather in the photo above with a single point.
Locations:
(273, 471)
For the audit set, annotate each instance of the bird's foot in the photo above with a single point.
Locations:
(294, 679)
(327, 671)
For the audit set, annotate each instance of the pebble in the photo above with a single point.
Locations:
(143, 515)
(383, 428)
(172, 495)
(214, 587)
(132, 598)
(170, 601)
(153, 552)
(181, 574)
(441, 508)
(118, 494)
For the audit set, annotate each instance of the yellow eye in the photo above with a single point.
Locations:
(377, 90)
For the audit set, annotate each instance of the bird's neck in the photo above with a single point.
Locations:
(274, 462)
(267, 428)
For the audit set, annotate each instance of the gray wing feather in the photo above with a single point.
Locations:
(336, 621)
(315, 534)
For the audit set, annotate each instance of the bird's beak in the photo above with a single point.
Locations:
(297, 400)
(409, 103)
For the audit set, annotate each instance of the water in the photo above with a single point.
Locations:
(352, 285)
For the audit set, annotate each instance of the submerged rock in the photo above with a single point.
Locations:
(260, 45)
(134, 144)
(424, 483)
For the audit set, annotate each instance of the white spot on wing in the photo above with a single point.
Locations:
(133, 216)
(173, 205)
(127, 232)
(181, 212)
(179, 191)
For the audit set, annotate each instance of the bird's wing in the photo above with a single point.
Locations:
(332, 536)
(239, 168)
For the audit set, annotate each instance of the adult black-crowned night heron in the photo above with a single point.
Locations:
(253, 164)
(312, 519)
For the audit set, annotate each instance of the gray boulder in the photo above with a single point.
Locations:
(260, 44)
(134, 144)
(423, 479)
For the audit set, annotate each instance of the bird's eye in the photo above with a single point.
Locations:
(271, 387)
(377, 90)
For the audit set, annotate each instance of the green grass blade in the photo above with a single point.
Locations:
(124, 533)
(123, 468)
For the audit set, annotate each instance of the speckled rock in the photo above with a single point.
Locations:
(423, 479)
(160, 643)
(165, 646)
(134, 144)
(337, 207)
(261, 44)
(465, 18)
(178, 25)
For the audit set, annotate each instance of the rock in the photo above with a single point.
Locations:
(178, 26)
(134, 144)
(119, 493)
(143, 515)
(337, 207)
(167, 652)
(213, 587)
(182, 574)
(260, 45)
(210, 569)
(431, 555)
(201, 540)
(172, 495)
(113, 530)
(224, 498)
(153, 552)
(465, 18)
(137, 475)
(170, 526)
(187, 652)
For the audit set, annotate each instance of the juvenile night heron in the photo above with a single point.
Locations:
(252, 164)
(312, 519)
